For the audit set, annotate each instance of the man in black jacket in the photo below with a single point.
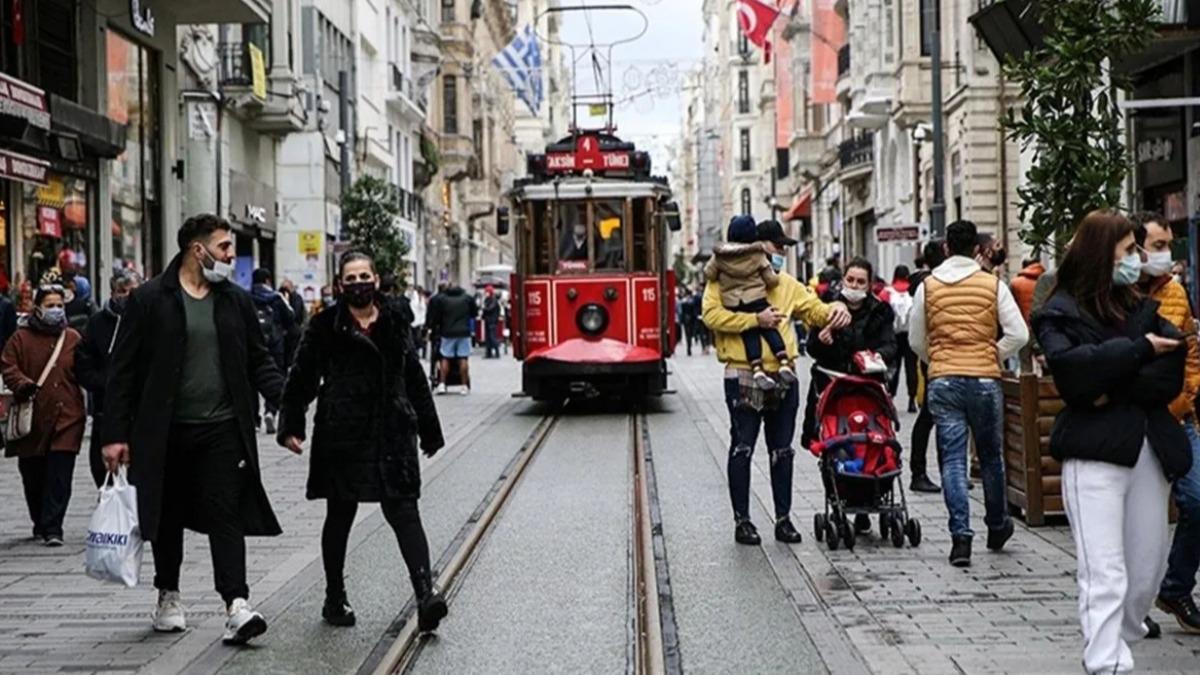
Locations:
(91, 360)
(277, 322)
(186, 371)
(931, 256)
(449, 317)
(491, 323)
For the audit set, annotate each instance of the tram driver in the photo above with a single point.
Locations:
(574, 243)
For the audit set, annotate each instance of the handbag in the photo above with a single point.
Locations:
(20, 418)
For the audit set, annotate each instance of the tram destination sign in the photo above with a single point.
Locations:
(587, 155)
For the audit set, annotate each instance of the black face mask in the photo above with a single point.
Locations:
(998, 257)
(360, 294)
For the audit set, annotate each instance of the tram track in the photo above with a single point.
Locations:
(653, 642)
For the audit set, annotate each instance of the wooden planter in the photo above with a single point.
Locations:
(1034, 477)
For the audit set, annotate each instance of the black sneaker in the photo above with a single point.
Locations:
(922, 483)
(960, 551)
(862, 523)
(1184, 610)
(1153, 630)
(337, 610)
(997, 537)
(746, 533)
(785, 532)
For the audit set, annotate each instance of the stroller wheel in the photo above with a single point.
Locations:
(847, 532)
(914, 532)
(819, 526)
(897, 527)
(831, 535)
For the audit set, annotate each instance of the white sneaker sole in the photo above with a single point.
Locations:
(169, 628)
(248, 631)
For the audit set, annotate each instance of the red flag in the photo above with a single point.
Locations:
(755, 18)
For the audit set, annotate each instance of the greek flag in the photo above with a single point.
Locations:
(521, 64)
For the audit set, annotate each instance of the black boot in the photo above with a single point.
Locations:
(337, 610)
(998, 537)
(921, 483)
(431, 606)
(745, 533)
(960, 550)
(786, 532)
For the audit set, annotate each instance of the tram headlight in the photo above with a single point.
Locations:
(592, 319)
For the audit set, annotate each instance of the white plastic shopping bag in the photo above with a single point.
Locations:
(114, 540)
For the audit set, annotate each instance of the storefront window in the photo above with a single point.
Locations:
(54, 227)
(132, 95)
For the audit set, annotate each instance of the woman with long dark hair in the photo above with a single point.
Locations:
(373, 405)
(1117, 365)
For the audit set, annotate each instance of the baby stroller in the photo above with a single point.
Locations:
(860, 461)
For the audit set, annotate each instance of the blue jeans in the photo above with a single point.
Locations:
(779, 428)
(1184, 558)
(963, 407)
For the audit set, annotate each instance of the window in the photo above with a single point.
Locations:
(449, 104)
(744, 153)
(56, 42)
(743, 44)
(746, 204)
(447, 11)
(928, 14)
(743, 92)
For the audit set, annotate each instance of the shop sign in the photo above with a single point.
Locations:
(251, 202)
(310, 242)
(25, 101)
(22, 168)
(143, 21)
(903, 233)
(1155, 150)
(49, 222)
(258, 71)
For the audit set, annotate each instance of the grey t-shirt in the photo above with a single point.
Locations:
(202, 396)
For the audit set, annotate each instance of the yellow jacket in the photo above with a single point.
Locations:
(1174, 307)
(790, 297)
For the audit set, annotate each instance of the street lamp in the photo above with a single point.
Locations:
(937, 209)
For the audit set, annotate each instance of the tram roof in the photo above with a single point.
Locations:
(596, 188)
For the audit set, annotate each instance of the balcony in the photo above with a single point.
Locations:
(278, 113)
(402, 96)
(856, 154)
(410, 207)
(806, 150)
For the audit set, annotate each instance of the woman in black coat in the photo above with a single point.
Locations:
(1117, 365)
(373, 404)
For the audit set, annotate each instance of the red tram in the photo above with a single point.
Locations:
(593, 293)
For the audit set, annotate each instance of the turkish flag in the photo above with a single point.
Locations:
(755, 18)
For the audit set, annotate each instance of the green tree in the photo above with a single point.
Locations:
(369, 212)
(1070, 117)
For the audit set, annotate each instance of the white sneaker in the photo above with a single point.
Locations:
(168, 615)
(443, 389)
(243, 624)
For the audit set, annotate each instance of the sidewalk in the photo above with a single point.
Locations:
(907, 610)
(54, 619)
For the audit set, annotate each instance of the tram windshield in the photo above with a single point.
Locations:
(585, 235)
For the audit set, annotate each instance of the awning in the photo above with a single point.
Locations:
(25, 169)
(100, 135)
(25, 101)
(801, 207)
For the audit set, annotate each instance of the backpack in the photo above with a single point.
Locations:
(901, 305)
(267, 323)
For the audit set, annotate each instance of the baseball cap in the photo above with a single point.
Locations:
(772, 231)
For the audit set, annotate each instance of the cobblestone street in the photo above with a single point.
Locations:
(874, 609)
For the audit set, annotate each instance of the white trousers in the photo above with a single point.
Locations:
(1118, 518)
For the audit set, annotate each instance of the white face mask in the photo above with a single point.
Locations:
(854, 295)
(219, 272)
(1157, 263)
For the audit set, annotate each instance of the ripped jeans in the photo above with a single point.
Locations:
(779, 428)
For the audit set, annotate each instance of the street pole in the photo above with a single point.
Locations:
(937, 209)
(344, 124)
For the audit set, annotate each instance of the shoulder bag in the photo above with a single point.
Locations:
(20, 418)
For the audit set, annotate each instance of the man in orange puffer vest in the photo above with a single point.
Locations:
(1023, 284)
(1175, 594)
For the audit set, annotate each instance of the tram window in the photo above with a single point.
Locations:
(572, 229)
(643, 244)
(609, 220)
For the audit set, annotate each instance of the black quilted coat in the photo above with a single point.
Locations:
(373, 403)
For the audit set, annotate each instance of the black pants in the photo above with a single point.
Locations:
(778, 427)
(47, 482)
(491, 338)
(204, 484)
(922, 428)
(906, 360)
(401, 514)
(96, 452)
(752, 338)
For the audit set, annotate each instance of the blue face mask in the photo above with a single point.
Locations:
(778, 261)
(1127, 270)
(53, 316)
